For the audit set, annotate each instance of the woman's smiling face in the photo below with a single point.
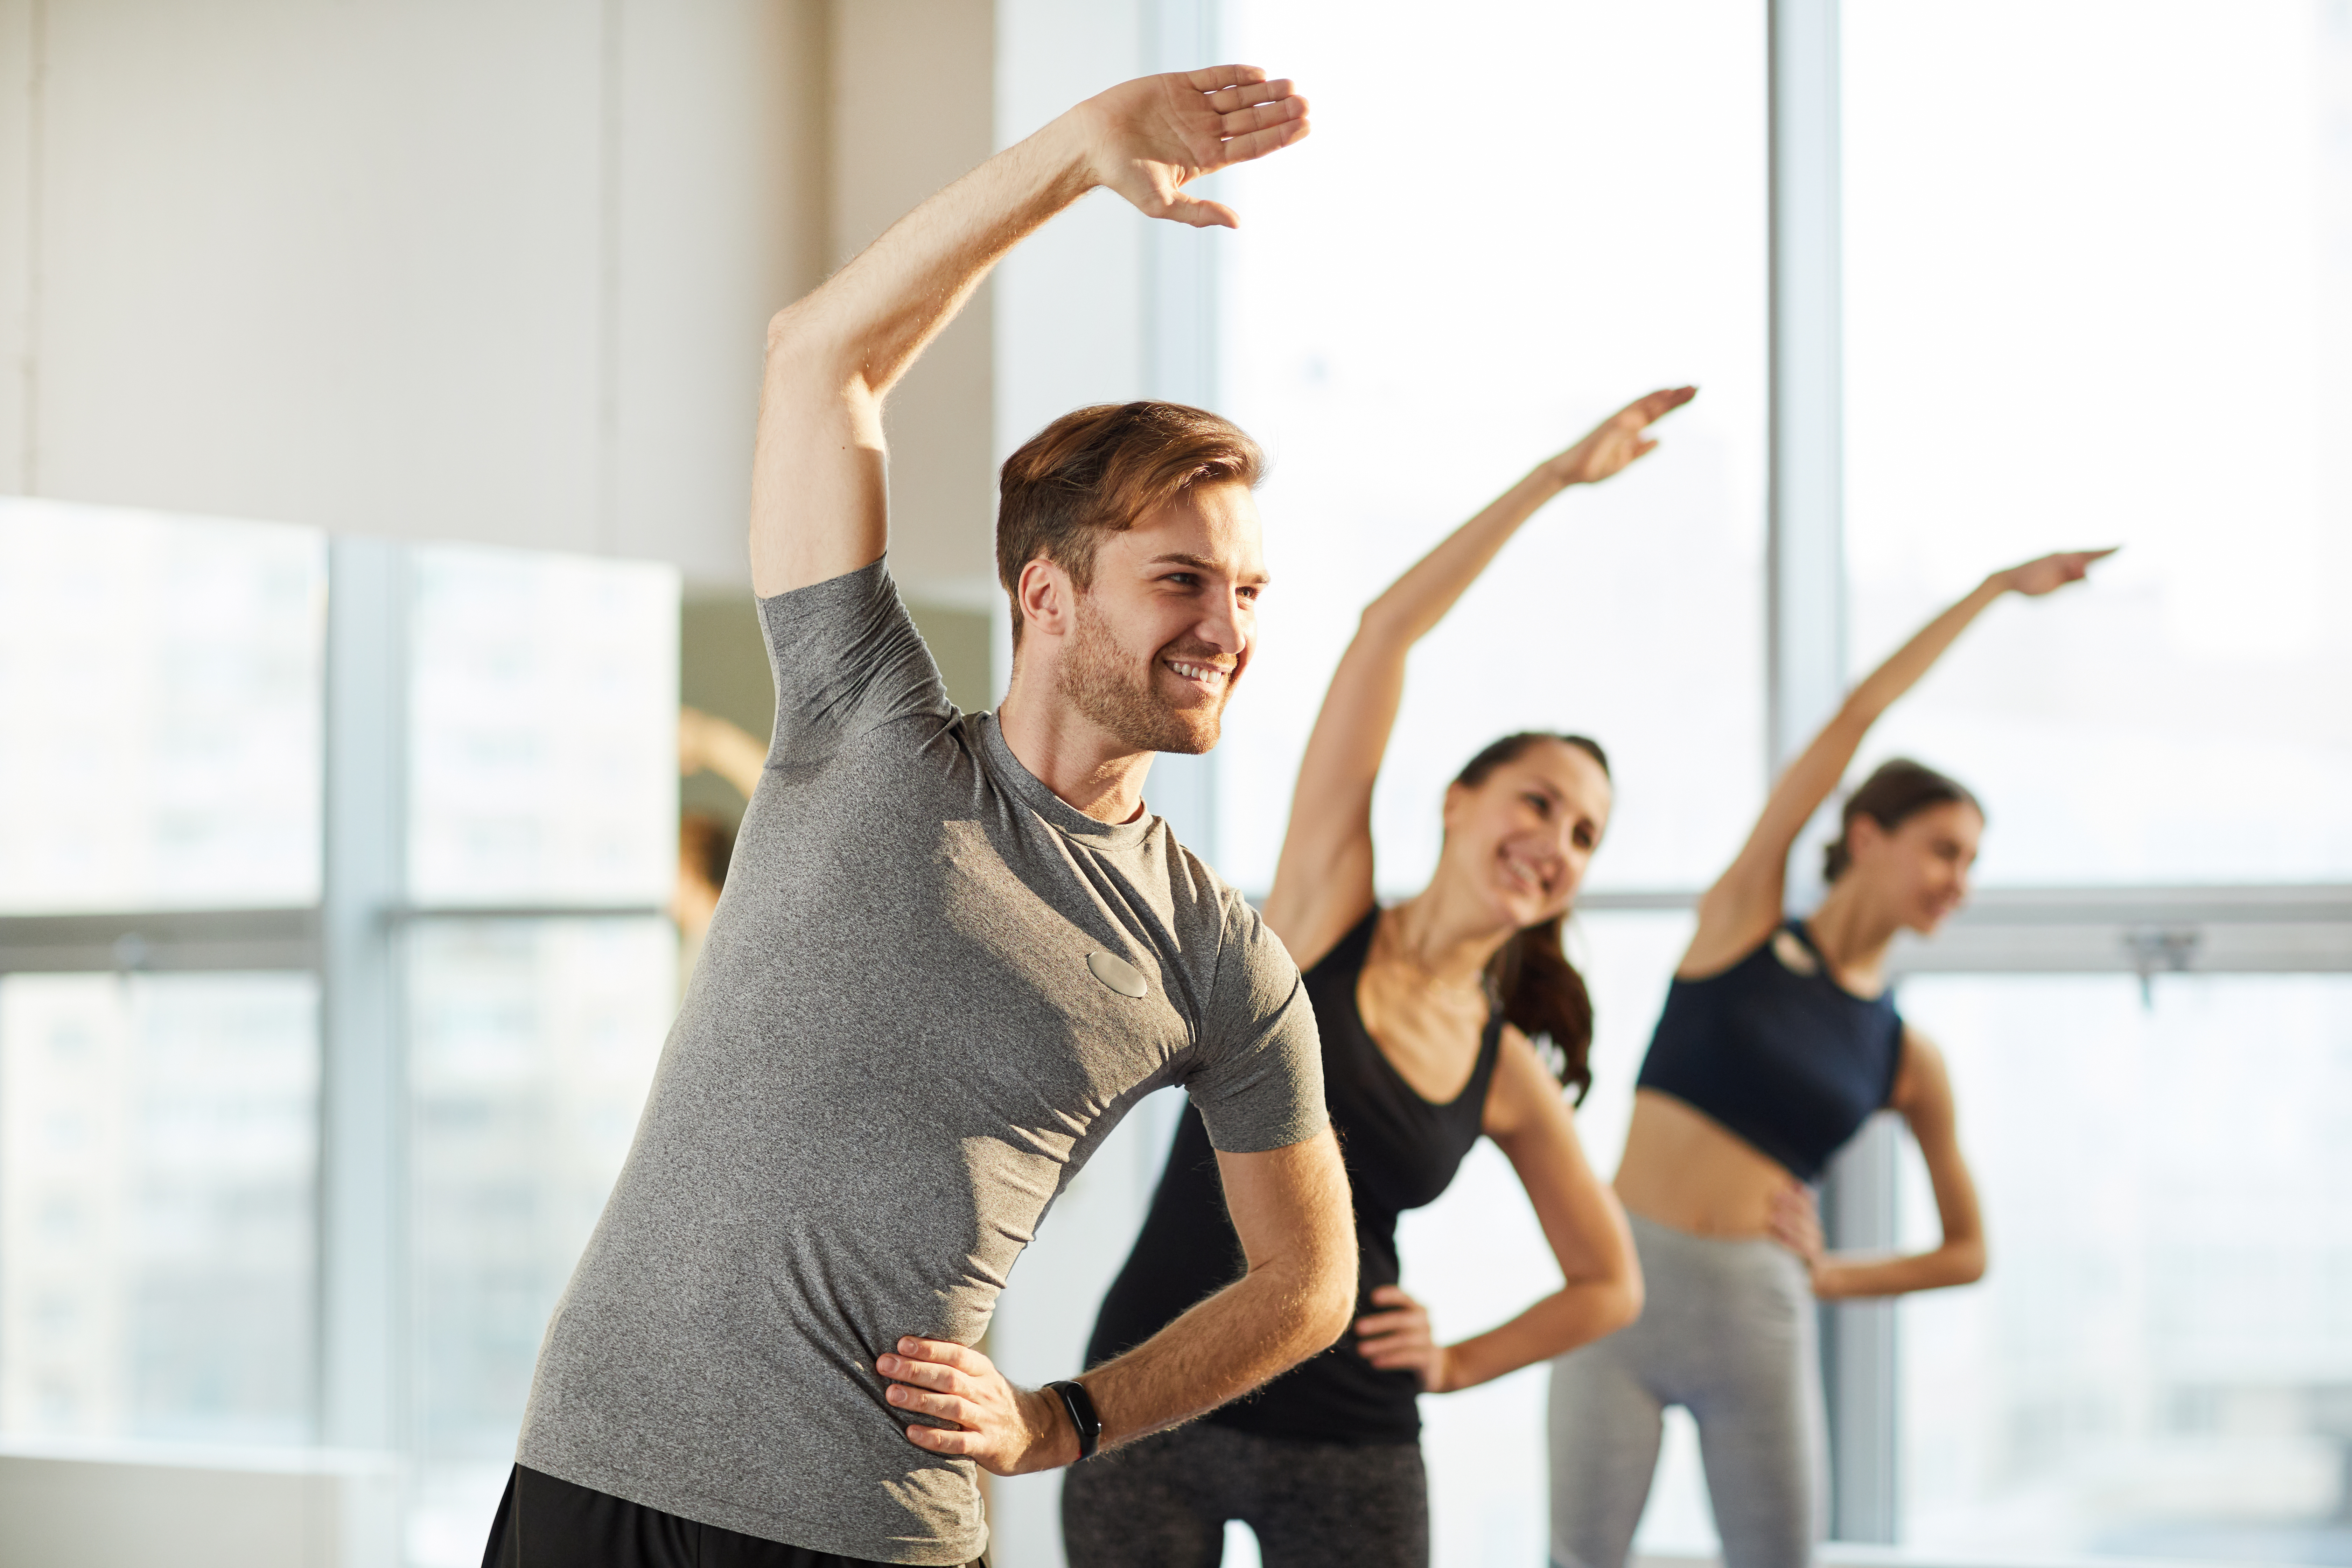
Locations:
(1522, 836)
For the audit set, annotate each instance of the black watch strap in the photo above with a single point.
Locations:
(1081, 1407)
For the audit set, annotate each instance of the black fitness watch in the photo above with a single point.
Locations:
(1081, 1407)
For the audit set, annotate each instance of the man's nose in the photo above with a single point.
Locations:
(1221, 624)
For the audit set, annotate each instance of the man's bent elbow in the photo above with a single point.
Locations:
(1330, 1306)
(806, 345)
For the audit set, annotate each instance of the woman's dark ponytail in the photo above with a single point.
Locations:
(1544, 998)
(1542, 995)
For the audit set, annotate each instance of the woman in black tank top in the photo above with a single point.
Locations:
(1431, 1012)
(1778, 1041)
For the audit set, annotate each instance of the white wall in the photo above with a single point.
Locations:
(913, 108)
(495, 271)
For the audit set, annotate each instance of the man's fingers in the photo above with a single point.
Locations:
(1249, 117)
(1258, 143)
(943, 1351)
(1202, 214)
(1210, 78)
(943, 1439)
(1227, 100)
(922, 1402)
(926, 1373)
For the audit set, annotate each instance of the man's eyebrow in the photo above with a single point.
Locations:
(1202, 563)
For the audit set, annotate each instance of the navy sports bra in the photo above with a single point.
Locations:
(1777, 1052)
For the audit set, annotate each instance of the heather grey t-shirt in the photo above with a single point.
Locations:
(892, 1056)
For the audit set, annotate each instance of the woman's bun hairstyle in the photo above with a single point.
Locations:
(1901, 789)
(1541, 992)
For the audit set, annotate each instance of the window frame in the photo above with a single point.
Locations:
(352, 941)
(2147, 930)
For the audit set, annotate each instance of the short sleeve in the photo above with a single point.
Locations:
(846, 658)
(1259, 1084)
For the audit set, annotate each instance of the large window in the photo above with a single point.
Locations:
(2097, 293)
(158, 1178)
(158, 710)
(1410, 329)
(300, 838)
(2161, 1363)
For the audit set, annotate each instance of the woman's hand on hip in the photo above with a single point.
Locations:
(1007, 1431)
(1399, 1340)
(1795, 1222)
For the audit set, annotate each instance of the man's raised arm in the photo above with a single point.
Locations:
(819, 498)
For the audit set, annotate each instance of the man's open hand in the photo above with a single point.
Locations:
(1147, 138)
(1007, 1431)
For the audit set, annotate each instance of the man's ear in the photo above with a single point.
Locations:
(1048, 598)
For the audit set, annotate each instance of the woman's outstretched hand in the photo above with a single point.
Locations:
(1147, 138)
(2038, 577)
(1399, 1340)
(1617, 440)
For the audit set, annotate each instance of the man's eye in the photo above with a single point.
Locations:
(1182, 579)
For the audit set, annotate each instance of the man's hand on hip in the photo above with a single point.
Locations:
(1007, 1431)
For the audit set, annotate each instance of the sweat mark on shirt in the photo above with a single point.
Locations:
(1119, 974)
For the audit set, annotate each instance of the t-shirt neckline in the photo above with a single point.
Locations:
(1068, 818)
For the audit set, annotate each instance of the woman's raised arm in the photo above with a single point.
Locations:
(1323, 882)
(1746, 902)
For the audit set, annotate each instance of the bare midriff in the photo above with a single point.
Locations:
(1682, 1170)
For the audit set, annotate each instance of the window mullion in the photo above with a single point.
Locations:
(361, 1291)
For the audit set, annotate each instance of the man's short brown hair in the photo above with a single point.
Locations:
(1097, 470)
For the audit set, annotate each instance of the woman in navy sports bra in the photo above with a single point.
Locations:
(1778, 1041)
(1428, 1011)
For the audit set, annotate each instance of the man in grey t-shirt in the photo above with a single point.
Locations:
(952, 950)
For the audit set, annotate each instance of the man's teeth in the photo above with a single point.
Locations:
(1204, 672)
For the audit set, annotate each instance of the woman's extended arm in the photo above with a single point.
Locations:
(1923, 1093)
(1323, 882)
(1530, 1121)
(1745, 904)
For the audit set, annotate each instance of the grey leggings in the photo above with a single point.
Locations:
(1163, 1502)
(1728, 1333)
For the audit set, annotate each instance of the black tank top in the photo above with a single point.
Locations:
(1777, 1052)
(1400, 1151)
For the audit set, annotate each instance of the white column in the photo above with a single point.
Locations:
(1808, 680)
(361, 1341)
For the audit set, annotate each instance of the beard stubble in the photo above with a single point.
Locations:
(1098, 681)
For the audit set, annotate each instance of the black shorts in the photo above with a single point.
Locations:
(543, 1522)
